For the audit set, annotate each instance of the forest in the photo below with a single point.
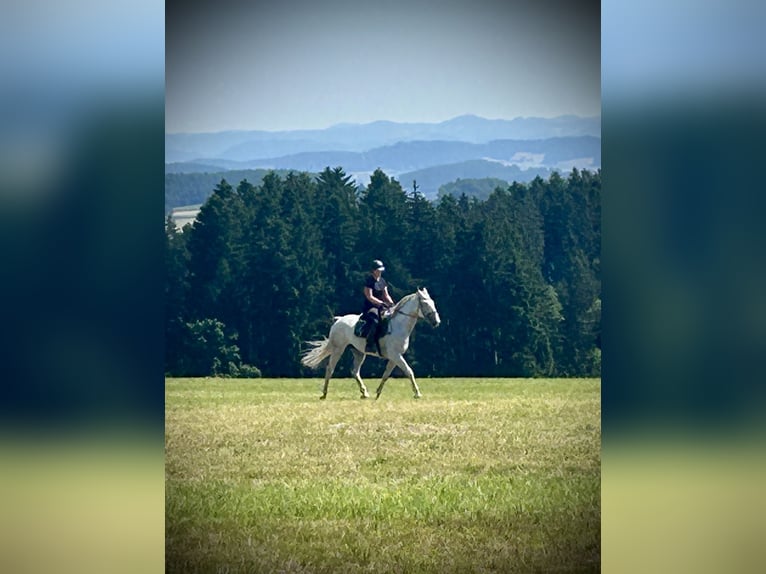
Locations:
(516, 277)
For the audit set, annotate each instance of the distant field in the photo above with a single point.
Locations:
(481, 475)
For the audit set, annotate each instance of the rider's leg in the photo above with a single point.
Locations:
(372, 335)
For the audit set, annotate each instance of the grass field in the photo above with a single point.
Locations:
(481, 475)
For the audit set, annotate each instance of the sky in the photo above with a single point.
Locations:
(697, 48)
(301, 64)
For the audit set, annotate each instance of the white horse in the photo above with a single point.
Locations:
(393, 344)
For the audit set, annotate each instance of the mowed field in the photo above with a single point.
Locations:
(480, 475)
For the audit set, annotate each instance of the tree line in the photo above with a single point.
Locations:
(516, 276)
(185, 189)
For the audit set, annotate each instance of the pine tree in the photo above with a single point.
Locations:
(338, 213)
(176, 293)
(423, 250)
(301, 283)
(213, 256)
(423, 255)
(571, 211)
(264, 238)
(468, 311)
(524, 325)
(383, 233)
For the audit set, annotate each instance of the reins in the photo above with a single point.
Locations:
(398, 309)
(403, 313)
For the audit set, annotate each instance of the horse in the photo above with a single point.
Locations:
(403, 317)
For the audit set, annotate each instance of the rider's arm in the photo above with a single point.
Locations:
(371, 298)
(387, 297)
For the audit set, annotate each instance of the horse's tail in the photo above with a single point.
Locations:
(318, 352)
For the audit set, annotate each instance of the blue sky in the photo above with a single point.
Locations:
(296, 64)
(685, 49)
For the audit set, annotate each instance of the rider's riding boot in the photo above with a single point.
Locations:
(372, 341)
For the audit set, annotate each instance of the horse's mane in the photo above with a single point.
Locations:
(402, 302)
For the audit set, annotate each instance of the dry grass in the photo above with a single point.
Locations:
(481, 475)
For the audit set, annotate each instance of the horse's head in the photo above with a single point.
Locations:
(427, 307)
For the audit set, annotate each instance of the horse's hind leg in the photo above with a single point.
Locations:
(356, 371)
(333, 360)
(387, 373)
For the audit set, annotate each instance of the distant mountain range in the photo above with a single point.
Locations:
(250, 145)
(433, 154)
(408, 156)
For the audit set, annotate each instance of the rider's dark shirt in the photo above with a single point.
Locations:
(377, 287)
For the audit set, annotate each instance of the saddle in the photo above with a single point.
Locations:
(363, 326)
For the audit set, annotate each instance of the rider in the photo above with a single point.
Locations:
(376, 298)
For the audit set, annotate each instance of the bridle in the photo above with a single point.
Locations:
(428, 315)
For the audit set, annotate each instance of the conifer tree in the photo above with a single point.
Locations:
(176, 293)
(338, 213)
(383, 233)
(214, 257)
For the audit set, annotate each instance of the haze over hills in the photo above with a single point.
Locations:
(250, 145)
(430, 179)
(408, 156)
(466, 147)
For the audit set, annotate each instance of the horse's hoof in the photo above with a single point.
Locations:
(417, 396)
(365, 397)
(323, 397)
(377, 396)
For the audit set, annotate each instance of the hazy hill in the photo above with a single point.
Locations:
(478, 188)
(554, 153)
(432, 178)
(192, 167)
(466, 147)
(248, 145)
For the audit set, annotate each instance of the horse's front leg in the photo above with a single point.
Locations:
(402, 364)
(387, 373)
